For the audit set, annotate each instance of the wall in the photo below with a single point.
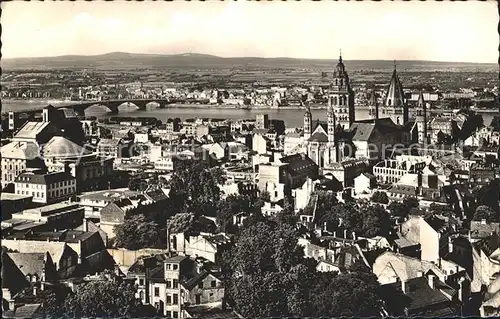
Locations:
(429, 242)
(199, 246)
(124, 257)
(207, 293)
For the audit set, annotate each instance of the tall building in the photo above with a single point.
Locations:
(341, 96)
(421, 119)
(395, 105)
(373, 106)
(262, 121)
(307, 123)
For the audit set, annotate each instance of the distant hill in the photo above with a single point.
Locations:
(123, 60)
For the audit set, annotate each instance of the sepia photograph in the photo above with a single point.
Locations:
(250, 159)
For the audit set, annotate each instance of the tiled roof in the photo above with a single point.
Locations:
(488, 245)
(20, 150)
(319, 137)
(29, 263)
(362, 131)
(405, 267)
(24, 311)
(420, 298)
(44, 179)
(192, 282)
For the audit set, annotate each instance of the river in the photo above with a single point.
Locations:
(292, 117)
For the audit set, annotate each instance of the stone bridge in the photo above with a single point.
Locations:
(113, 105)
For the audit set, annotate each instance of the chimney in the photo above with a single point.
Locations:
(335, 234)
(450, 245)
(34, 290)
(431, 280)
(483, 221)
(404, 286)
(85, 226)
(353, 235)
(345, 233)
(324, 226)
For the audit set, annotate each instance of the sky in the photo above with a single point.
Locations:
(438, 31)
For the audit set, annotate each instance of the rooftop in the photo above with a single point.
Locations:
(31, 130)
(43, 178)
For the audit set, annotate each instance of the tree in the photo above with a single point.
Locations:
(443, 210)
(409, 205)
(485, 212)
(232, 205)
(103, 298)
(137, 184)
(194, 188)
(375, 221)
(182, 222)
(380, 197)
(266, 265)
(137, 232)
(347, 295)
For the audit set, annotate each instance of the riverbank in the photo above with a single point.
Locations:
(23, 105)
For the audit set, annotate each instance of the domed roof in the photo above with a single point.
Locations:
(59, 146)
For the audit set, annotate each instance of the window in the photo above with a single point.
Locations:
(200, 285)
(169, 314)
(213, 284)
(175, 266)
(176, 284)
(168, 266)
(176, 314)
(141, 282)
(169, 283)
(169, 300)
(198, 299)
(176, 299)
(157, 292)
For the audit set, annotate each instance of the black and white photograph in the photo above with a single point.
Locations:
(250, 159)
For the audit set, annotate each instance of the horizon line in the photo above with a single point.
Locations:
(235, 57)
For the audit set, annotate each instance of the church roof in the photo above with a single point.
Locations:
(322, 124)
(395, 93)
(319, 137)
(421, 101)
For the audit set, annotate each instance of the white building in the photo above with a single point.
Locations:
(46, 187)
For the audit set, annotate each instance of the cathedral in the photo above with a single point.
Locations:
(325, 142)
(321, 139)
(395, 105)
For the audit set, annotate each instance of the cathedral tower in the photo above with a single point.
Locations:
(395, 105)
(342, 96)
(373, 105)
(307, 123)
(421, 119)
(331, 124)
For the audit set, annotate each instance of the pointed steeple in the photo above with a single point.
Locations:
(395, 93)
(421, 102)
